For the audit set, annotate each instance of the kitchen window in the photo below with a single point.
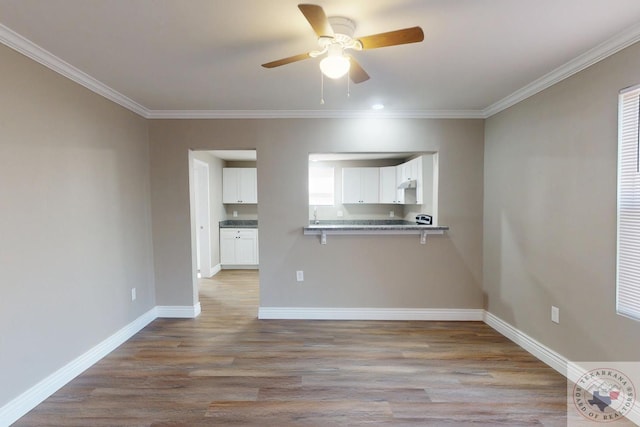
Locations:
(628, 256)
(321, 186)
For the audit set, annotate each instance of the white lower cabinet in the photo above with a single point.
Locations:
(239, 246)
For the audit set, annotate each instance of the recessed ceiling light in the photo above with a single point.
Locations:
(377, 106)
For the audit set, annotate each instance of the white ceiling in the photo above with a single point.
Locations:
(234, 155)
(160, 57)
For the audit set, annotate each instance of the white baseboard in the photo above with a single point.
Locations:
(178, 311)
(321, 313)
(542, 352)
(31, 398)
(240, 267)
(215, 270)
(568, 369)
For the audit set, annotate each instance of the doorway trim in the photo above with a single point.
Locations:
(202, 218)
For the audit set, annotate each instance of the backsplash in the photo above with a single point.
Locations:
(369, 211)
(244, 211)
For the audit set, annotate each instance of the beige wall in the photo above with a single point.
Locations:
(550, 214)
(75, 229)
(350, 271)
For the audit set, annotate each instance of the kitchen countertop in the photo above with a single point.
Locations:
(370, 225)
(394, 226)
(362, 222)
(239, 223)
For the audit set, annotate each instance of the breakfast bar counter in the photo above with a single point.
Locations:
(324, 228)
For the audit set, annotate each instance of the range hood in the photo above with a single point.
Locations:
(410, 183)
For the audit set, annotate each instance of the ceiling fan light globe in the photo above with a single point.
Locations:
(335, 67)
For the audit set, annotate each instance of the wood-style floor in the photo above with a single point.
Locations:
(228, 368)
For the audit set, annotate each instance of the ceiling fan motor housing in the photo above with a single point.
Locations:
(343, 29)
(342, 26)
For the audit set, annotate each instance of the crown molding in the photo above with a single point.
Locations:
(615, 44)
(20, 44)
(31, 50)
(315, 114)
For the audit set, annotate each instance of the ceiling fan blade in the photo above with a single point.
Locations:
(356, 72)
(392, 38)
(285, 61)
(317, 18)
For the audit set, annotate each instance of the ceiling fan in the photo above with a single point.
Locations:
(335, 36)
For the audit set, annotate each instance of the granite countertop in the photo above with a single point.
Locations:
(239, 223)
(362, 222)
(370, 225)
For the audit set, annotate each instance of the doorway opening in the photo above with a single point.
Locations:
(224, 216)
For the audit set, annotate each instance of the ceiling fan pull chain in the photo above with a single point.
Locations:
(321, 88)
(348, 86)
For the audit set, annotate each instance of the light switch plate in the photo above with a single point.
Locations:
(300, 276)
(555, 314)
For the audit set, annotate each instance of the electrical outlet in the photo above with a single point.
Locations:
(555, 314)
(392, 214)
(133, 294)
(235, 214)
(300, 276)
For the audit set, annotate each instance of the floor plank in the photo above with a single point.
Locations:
(228, 368)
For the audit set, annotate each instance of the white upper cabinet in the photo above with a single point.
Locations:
(403, 173)
(371, 185)
(390, 178)
(248, 186)
(388, 186)
(409, 171)
(239, 185)
(351, 186)
(361, 185)
(400, 176)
